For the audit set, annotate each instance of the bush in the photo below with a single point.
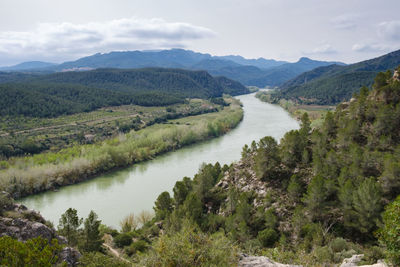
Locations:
(338, 244)
(96, 259)
(34, 252)
(5, 202)
(389, 233)
(268, 237)
(191, 247)
(122, 240)
(140, 245)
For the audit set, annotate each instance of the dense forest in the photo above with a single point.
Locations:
(334, 84)
(74, 92)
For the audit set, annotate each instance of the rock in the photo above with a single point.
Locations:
(260, 261)
(355, 259)
(23, 229)
(70, 256)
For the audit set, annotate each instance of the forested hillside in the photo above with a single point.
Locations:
(313, 199)
(73, 92)
(333, 84)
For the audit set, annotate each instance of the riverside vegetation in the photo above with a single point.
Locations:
(318, 196)
(316, 113)
(27, 175)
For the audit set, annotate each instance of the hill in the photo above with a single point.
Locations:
(28, 66)
(314, 198)
(259, 72)
(333, 84)
(72, 92)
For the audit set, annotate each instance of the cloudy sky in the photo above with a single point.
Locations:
(60, 30)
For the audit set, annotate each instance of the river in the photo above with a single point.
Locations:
(114, 195)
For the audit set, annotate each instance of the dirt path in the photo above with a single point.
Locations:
(115, 253)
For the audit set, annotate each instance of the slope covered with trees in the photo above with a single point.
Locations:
(73, 92)
(333, 84)
(315, 198)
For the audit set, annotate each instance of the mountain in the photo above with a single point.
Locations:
(73, 92)
(261, 63)
(259, 72)
(28, 66)
(333, 84)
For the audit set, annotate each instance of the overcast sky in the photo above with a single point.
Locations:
(60, 30)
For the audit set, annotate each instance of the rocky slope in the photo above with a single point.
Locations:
(21, 223)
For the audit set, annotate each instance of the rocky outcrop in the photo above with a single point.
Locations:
(396, 75)
(21, 223)
(355, 259)
(70, 256)
(260, 261)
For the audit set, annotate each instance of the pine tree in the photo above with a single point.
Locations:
(91, 232)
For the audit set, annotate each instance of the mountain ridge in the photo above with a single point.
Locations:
(258, 72)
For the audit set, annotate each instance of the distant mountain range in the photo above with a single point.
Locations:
(333, 84)
(259, 72)
(28, 66)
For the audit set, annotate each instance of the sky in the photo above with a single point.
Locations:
(64, 30)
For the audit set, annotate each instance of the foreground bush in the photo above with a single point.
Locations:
(191, 247)
(34, 252)
(389, 234)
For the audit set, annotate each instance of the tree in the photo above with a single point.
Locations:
(389, 233)
(93, 240)
(68, 226)
(163, 205)
(316, 196)
(367, 205)
(267, 159)
(181, 190)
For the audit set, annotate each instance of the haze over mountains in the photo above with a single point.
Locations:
(259, 72)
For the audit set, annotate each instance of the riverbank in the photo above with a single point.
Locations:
(49, 171)
(316, 113)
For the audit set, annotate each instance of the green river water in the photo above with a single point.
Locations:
(114, 195)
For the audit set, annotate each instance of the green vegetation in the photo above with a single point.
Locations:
(333, 84)
(32, 174)
(74, 92)
(34, 252)
(321, 192)
(316, 113)
(25, 135)
(315, 198)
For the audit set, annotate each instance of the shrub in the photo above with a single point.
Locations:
(140, 245)
(34, 252)
(389, 233)
(268, 237)
(122, 240)
(338, 244)
(191, 247)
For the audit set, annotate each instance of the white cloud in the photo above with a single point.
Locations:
(345, 22)
(390, 30)
(365, 47)
(65, 40)
(324, 49)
